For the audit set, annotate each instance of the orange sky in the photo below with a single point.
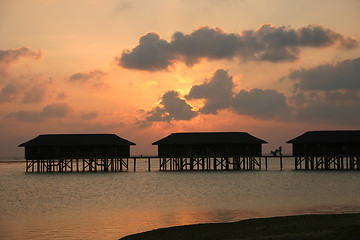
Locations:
(144, 69)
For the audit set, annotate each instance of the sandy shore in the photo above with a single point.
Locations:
(339, 226)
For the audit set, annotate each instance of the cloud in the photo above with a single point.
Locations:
(171, 107)
(259, 103)
(151, 54)
(217, 92)
(7, 57)
(326, 107)
(86, 76)
(268, 43)
(26, 92)
(89, 116)
(55, 110)
(123, 5)
(10, 92)
(333, 112)
(35, 94)
(345, 96)
(342, 75)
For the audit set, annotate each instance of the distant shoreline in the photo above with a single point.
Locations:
(12, 161)
(334, 226)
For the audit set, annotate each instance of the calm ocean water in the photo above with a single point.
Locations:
(112, 205)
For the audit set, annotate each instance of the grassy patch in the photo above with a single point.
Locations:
(338, 226)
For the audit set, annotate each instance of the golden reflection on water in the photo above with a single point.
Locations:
(112, 205)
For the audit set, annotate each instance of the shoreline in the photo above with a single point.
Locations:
(312, 226)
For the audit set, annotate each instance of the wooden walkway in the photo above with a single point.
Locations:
(236, 163)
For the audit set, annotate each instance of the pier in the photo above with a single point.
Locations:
(155, 163)
(194, 151)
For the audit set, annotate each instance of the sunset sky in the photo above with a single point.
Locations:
(143, 69)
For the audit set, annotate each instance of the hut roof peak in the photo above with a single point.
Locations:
(327, 136)
(76, 139)
(209, 138)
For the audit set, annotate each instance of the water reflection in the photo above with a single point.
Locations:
(112, 205)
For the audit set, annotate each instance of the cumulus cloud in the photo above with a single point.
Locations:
(327, 93)
(217, 92)
(10, 92)
(342, 75)
(55, 110)
(151, 54)
(268, 43)
(89, 116)
(171, 107)
(259, 103)
(327, 107)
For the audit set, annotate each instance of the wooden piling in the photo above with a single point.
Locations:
(266, 164)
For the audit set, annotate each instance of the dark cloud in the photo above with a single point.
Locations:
(338, 96)
(298, 99)
(268, 43)
(151, 54)
(217, 92)
(211, 43)
(326, 107)
(343, 75)
(339, 112)
(171, 107)
(259, 103)
(55, 110)
(89, 116)
(10, 92)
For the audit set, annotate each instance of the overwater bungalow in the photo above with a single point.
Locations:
(327, 143)
(327, 149)
(210, 151)
(209, 144)
(57, 151)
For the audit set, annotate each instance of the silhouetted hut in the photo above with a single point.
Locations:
(209, 144)
(327, 143)
(58, 146)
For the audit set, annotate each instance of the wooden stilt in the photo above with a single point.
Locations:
(266, 164)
